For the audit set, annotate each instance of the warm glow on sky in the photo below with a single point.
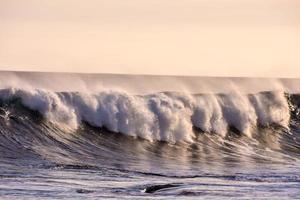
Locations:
(179, 37)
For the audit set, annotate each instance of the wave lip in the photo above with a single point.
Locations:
(165, 116)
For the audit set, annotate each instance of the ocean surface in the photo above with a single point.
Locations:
(111, 143)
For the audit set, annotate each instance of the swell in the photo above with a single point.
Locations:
(168, 116)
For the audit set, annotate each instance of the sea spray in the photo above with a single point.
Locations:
(167, 116)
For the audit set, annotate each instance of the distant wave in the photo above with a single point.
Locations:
(165, 116)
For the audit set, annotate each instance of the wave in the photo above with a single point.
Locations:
(166, 116)
(148, 133)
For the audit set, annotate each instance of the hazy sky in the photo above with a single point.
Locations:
(179, 37)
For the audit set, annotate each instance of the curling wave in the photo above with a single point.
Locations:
(165, 116)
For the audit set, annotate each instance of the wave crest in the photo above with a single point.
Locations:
(161, 116)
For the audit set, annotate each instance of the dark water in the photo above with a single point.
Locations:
(39, 160)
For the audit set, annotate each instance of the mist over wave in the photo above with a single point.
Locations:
(165, 116)
(143, 84)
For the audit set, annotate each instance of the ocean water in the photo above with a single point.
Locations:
(68, 136)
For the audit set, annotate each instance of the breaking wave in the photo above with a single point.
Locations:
(166, 116)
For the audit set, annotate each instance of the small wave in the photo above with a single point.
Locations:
(156, 188)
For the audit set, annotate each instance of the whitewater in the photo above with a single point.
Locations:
(133, 136)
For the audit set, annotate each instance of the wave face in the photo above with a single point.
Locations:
(270, 118)
(167, 116)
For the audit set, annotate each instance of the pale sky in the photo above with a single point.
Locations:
(165, 37)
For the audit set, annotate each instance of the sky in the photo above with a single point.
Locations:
(162, 37)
